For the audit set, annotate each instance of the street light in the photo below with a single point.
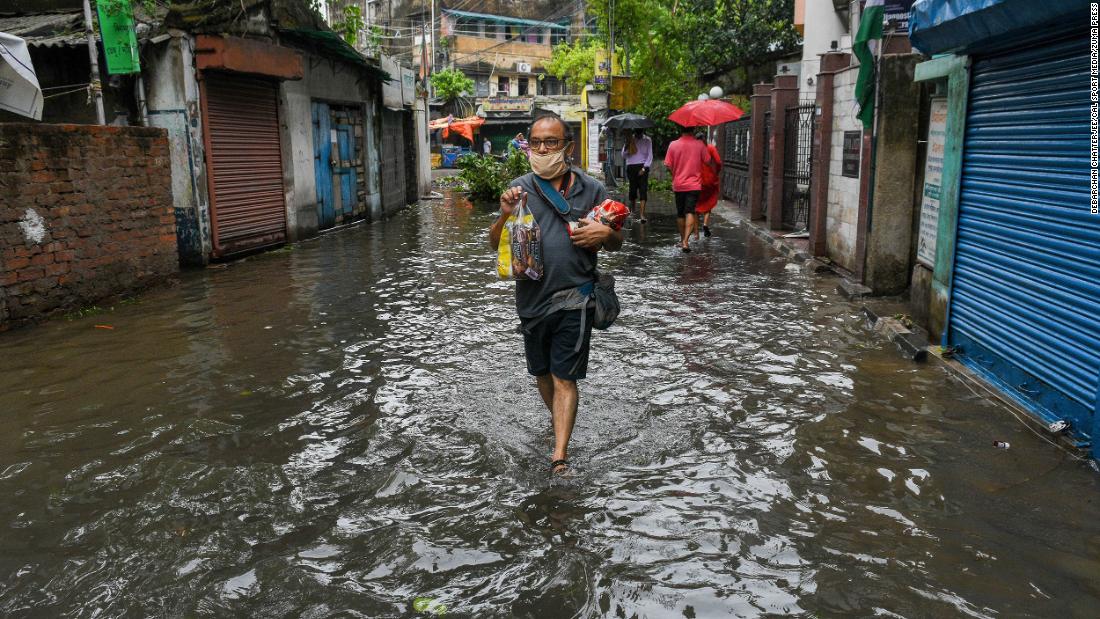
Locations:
(703, 97)
(716, 92)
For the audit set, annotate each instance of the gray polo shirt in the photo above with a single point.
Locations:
(564, 265)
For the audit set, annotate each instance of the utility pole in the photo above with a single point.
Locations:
(432, 33)
(93, 56)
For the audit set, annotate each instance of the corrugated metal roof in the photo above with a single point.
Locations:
(46, 29)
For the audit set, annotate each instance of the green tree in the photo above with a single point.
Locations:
(352, 24)
(678, 46)
(451, 85)
(574, 62)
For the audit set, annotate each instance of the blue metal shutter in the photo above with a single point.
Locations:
(1025, 304)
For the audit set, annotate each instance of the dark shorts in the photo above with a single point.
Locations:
(685, 202)
(550, 343)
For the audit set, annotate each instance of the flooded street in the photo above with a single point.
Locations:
(339, 428)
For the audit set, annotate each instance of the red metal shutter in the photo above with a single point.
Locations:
(245, 163)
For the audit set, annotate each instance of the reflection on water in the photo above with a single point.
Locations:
(343, 427)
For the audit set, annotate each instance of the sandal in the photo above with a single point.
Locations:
(556, 463)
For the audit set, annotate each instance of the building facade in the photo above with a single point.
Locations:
(1014, 264)
(275, 125)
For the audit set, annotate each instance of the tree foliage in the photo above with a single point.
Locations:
(451, 84)
(574, 62)
(350, 26)
(679, 46)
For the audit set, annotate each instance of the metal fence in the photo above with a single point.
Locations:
(766, 172)
(735, 160)
(797, 159)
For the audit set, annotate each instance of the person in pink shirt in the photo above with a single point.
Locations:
(685, 159)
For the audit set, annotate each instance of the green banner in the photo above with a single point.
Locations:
(116, 28)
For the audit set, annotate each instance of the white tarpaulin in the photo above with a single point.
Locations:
(19, 91)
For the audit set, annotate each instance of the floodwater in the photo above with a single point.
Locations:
(338, 429)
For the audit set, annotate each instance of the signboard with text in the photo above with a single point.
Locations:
(509, 104)
(391, 89)
(898, 11)
(408, 86)
(933, 179)
(116, 28)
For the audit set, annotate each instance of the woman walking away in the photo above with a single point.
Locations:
(708, 197)
(638, 154)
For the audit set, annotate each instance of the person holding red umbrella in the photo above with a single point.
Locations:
(685, 159)
(708, 197)
(691, 157)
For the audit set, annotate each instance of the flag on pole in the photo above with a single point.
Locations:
(870, 29)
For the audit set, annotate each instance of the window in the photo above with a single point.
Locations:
(552, 86)
(482, 83)
(559, 35)
(533, 35)
(503, 86)
(523, 83)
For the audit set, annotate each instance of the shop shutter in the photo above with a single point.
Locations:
(1025, 304)
(248, 205)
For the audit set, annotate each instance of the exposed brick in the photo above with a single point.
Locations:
(42, 259)
(31, 273)
(105, 196)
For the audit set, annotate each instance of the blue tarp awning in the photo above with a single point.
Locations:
(939, 26)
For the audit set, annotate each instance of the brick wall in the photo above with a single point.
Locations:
(86, 214)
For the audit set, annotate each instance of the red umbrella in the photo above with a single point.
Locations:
(705, 113)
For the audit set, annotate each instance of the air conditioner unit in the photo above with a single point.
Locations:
(523, 67)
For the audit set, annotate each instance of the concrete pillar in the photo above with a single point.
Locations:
(823, 149)
(864, 212)
(784, 94)
(890, 230)
(423, 153)
(761, 103)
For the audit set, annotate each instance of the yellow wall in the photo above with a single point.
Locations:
(625, 93)
(503, 54)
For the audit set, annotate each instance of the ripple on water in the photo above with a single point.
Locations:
(339, 429)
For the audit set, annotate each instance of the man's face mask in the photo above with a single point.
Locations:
(549, 165)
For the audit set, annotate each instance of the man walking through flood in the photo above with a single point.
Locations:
(685, 159)
(557, 331)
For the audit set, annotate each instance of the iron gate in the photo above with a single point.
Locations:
(735, 161)
(799, 121)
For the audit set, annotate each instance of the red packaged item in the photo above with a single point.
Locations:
(609, 213)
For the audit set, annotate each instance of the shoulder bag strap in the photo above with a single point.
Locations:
(552, 196)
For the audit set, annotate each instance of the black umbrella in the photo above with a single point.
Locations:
(629, 121)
